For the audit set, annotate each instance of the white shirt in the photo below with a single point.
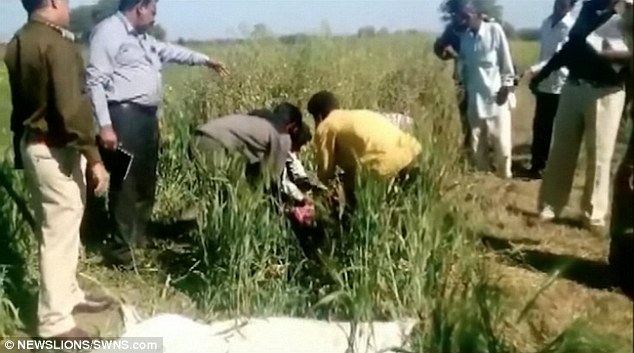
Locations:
(402, 121)
(552, 38)
(293, 171)
(487, 65)
(609, 34)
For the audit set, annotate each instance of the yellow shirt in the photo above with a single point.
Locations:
(353, 138)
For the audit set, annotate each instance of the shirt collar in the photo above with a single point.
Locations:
(63, 31)
(478, 33)
(126, 23)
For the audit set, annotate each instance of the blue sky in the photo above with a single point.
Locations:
(203, 19)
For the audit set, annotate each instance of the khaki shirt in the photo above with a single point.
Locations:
(48, 93)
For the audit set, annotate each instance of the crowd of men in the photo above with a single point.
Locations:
(58, 101)
(580, 82)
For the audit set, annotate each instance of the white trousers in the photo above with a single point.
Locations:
(594, 114)
(55, 177)
(492, 132)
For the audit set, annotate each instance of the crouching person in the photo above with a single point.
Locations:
(261, 137)
(358, 139)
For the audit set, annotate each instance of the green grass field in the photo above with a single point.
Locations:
(407, 254)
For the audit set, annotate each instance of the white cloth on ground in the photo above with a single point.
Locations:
(267, 335)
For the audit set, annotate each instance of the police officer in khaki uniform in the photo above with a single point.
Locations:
(54, 141)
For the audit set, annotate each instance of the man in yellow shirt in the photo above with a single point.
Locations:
(358, 139)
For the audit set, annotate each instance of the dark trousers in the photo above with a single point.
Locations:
(131, 199)
(545, 111)
(463, 104)
(621, 257)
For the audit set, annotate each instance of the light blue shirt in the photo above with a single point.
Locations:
(486, 66)
(125, 66)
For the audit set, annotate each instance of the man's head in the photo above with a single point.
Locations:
(467, 15)
(55, 11)
(321, 104)
(288, 117)
(562, 7)
(140, 13)
(301, 137)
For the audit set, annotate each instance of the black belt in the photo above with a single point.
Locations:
(146, 109)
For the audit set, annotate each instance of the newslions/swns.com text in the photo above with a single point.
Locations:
(145, 344)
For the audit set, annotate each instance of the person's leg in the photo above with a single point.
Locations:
(602, 125)
(545, 111)
(500, 128)
(463, 104)
(56, 189)
(621, 256)
(480, 144)
(131, 127)
(146, 174)
(79, 176)
(556, 186)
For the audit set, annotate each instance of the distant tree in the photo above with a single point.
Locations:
(85, 17)
(383, 31)
(489, 7)
(261, 30)
(509, 30)
(158, 32)
(367, 31)
(294, 38)
(529, 34)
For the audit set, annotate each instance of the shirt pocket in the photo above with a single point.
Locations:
(131, 54)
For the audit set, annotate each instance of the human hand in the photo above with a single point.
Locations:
(450, 53)
(100, 178)
(219, 67)
(535, 82)
(108, 138)
(502, 96)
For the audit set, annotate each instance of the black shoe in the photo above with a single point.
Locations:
(536, 173)
(118, 258)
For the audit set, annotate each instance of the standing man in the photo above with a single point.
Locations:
(53, 134)
(447, 47)
(591, 105)
(553, 34)
(489, 78)
(124, 81)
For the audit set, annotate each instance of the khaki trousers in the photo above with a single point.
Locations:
(495, 132)
(594, 114)
(55, 178)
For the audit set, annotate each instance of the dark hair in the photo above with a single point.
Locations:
(263, 113)
(302, 135)
(32, 5)
(322, 103)
(287, 113)
(127, 5)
